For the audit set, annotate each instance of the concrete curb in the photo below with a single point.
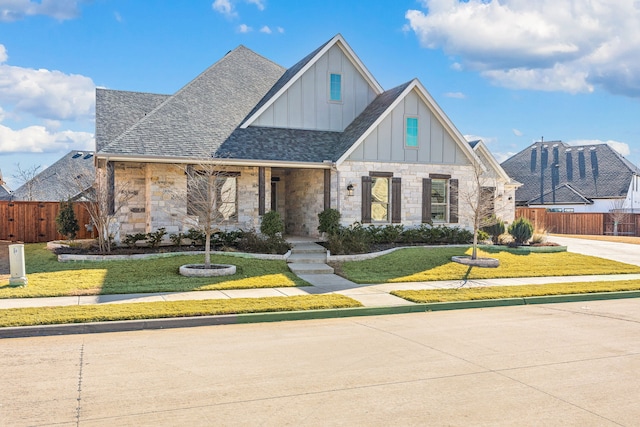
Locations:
(230, 319)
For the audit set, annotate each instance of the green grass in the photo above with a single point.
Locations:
(156, 310)
(47, 277)
(498, 292)
(427, 264)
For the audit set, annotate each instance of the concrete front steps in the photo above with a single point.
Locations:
(308, 258)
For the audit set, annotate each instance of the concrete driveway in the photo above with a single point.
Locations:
(552, 365)
(623, 252)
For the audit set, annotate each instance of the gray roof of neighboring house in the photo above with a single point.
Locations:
(123, 109)
(198, 118)
(66, 179)
(555, 173)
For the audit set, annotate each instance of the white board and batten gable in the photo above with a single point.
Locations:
(305, 101)
(438, 141)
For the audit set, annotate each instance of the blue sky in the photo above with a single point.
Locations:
(508, 72)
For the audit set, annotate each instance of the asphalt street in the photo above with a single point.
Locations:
(551, 365)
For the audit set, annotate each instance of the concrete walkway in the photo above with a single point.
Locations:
(370, 295)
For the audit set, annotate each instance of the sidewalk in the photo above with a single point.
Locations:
(377, 295)
(370, 295)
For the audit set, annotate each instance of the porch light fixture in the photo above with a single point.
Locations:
(350, 190)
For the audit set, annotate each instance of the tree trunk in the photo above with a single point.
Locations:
(207, 250)
(474, 252)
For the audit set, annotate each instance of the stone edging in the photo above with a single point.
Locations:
(100, 258)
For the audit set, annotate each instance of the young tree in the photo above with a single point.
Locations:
(66, 221)
(103, 201)
(479, 201)
(618, 214)
(210, 197)
(27, 177)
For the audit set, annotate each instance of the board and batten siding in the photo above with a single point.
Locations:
(306, 105)
(387, 141)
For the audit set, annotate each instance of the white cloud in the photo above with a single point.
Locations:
(224, 7)
(486, 139)
(37, 139)
(621, 147)
(14, 10)
(266, 30)
(46, 94)
(501, 157)
(457, 95)
(228, 7)
(517, 132)
(280, 30)
(3, 54)
(118, 17)
(244, 28)
(559, 45)
(259, 3)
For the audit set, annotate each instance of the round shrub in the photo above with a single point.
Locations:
(271, 224)
(329, 221)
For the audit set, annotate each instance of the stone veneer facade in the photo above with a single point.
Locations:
(158, 195)
(351, 172)
(157, 198)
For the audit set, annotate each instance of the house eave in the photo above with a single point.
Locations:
(222, 161)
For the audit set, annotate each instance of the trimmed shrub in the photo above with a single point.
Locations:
(131, 239)
(271, 224)
(155, 238)
(177, 238)
(66, 221)
(252, 242)
(196, 236)
(494, 230)
(329, 221)
(521, 230)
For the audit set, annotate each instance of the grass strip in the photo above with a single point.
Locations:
(501, 292)
(431, 264)
(157, 310)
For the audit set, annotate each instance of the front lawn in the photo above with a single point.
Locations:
(47, 277)
(157, 310)
(430, 264)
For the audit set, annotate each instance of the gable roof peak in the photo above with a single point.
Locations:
(295, 72)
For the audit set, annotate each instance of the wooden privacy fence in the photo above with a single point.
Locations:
(595, 224)
(32, 222)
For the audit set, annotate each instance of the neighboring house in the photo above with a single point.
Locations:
(67, 179)
(5, 192)
(321, 134)
(570, 178)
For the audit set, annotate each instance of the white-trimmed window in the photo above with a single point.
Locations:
(439, 200)
(335, 87)
(411, 132)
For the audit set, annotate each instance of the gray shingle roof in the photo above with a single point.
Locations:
(204, 117)
(201, 116)
(554, 168)
(279, 144)
(117, 110)
(65, 179)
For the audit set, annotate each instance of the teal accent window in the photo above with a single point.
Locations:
(411, 136)
(335, 87)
